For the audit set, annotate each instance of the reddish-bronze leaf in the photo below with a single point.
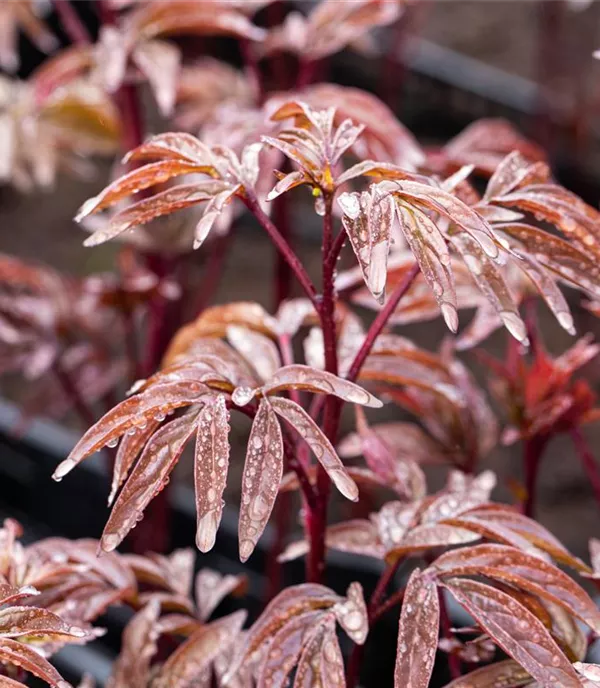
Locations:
(417, 632)
(289, 604)
(351, 614)
(180, 146)
(135, 181)
(163, 203)
(211, 464)
(132, 668)
(491, 281)
(321, 663)
(522, 571)
(562, 258)
(132, 415)
(212, 588)
(148, 478)
(21, 655)
(284, 651)
(259, 350)
(516, 630)
(356, 536)
(263, 470)
(16, 621)
(367, 220)
(129, 449)
(319, 381)
(505, 674)
(189, 662)
(429, 248)
(493, 521)
(322, 448)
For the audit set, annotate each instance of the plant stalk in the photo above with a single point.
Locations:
(380, 322)
(532, 453)
(317, 520)
(446, 628)
(587, 460)
(282, 245)
(72, 25)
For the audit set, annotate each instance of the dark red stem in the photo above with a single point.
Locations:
(281, 244)
(532, 454)
(587, 460)
(213, 271)
(316, 521)
(251, 64)
(446, 629)
(70, 388)
(75, 29)
(336, 247)
(390, 603)
(380, 322)
(283, 273)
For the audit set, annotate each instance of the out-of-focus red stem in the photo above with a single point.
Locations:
(70, 21)
(251, 64)
(213, 271)
(70, 388)
(587, 460)
(532, 454)
(380, 321)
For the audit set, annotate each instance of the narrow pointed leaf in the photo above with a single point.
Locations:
(22, 655)
(189, 662)
(431, 252)
(490, 280)
(504, 674)
(417, 632)
(38, 623)
(516, 630)
(321, 663)
(211, 464)
(522, 571)
(263, 470)
(131, 415)
(284, 651)
(148, 478)
(319, 381)
(127, 453)
(212, 588)
(290, 603)
(135, 181)
(310, 432)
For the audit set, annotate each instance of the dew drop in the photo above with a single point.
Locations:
(242, 395)
(113, 442)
